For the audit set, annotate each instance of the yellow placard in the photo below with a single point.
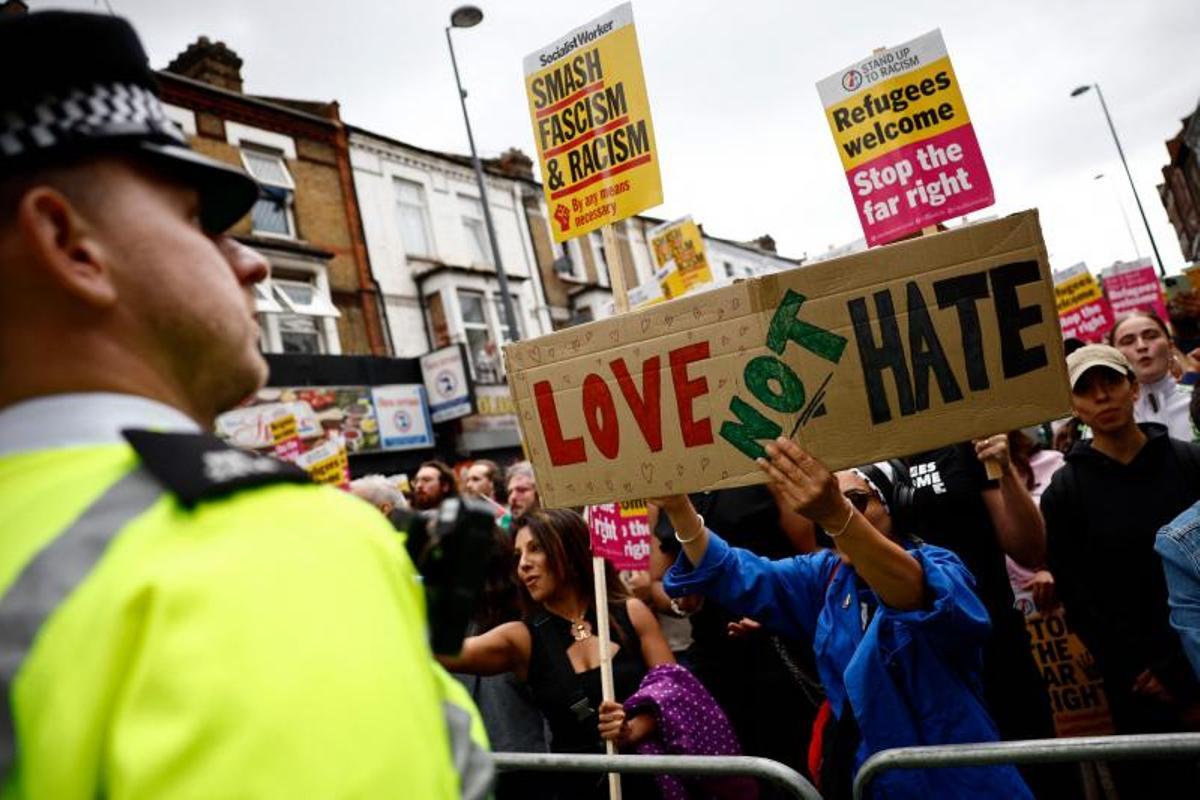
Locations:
(680, 245)
(897, 112)
(591, 124)
(1076, 291)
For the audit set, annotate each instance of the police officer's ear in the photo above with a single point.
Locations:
(61, 243)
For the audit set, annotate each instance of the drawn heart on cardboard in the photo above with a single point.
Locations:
(587, 336)
(591, 487)
(742, 330)
(628, 486)
(646, 321)
(721, 382)
(697, 312)
(669, 319)
(647, 472)
(724, 340)
(670, 484)
(614, 334)
(679, 469)
(529, 416)
(535, 354)
(737, 301)
(704, 462)
(721, 312)
(570, 487)
(550, 352)
(575, 343)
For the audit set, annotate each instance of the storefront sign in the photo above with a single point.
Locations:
(403, 415)
(445, 374)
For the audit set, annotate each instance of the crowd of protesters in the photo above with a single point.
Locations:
(821, 617)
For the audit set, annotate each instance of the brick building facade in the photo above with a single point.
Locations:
(321, 298)
(1180, 189)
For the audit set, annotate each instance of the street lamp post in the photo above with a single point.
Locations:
(1153, 245)
(1124, 217)
(469, 17)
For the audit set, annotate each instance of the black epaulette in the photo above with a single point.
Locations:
(199, 466)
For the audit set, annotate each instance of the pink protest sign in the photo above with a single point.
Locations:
(905, 139)
(621, 533)
(1088, 322)
(1135, 289)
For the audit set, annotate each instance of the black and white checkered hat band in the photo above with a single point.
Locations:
(106, 111)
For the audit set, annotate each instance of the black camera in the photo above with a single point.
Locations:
(449, 547)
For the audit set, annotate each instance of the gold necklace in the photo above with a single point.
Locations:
(580, 630)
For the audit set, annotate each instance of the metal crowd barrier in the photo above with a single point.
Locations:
(780, 775)
(1029, 751)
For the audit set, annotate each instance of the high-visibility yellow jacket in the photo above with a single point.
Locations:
(244, 637)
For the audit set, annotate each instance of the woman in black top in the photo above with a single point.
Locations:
(556, 651)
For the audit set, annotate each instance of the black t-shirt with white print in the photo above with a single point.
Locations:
(949, 511)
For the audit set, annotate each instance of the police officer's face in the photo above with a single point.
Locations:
(185, 296)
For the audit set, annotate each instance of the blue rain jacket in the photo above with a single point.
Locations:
(911, 677)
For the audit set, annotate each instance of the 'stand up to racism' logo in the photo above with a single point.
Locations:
(852, 80)
(562, 215)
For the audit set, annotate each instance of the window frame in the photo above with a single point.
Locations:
(422, 209)
(288, 186)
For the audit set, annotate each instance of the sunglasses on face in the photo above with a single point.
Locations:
(859, 498)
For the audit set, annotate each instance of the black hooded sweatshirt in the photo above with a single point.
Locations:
(1101, 520)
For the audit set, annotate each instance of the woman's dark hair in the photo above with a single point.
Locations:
(562, 535)
(1138, 312)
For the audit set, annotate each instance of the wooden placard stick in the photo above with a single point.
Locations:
(616, 277)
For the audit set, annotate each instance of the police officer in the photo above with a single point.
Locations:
(177, 618)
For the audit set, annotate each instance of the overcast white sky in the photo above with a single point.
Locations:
(742, 137)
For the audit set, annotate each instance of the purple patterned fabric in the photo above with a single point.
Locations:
(690, 723)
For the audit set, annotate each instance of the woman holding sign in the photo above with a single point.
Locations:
(555, 647)
(895, 626)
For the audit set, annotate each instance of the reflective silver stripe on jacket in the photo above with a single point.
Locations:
(52, 575)
(472, 763)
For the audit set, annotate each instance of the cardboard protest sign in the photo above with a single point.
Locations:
(591, 124)
(1083, 311)
(905, 139)
(1135, 287)
(620, 532)
(1073, 682)
(678, 249)
(877, 354)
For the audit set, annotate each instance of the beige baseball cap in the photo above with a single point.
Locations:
(1096, 355)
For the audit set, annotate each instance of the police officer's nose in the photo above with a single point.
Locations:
(249, 266)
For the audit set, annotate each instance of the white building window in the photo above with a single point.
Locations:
(481, 344)
(476, 231)
(568, 261)
(485, 328)
(272, 214)
(414, 217)
(502, 320)
(296, 314)
(599, 256)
